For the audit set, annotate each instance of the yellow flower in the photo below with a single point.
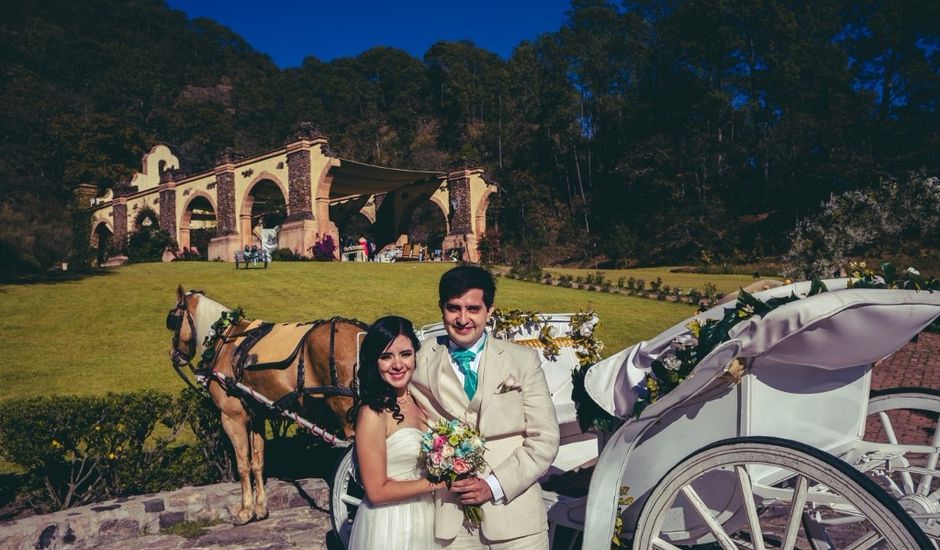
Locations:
(111, 456)
(56, 444)
(694, 327)
(453, 440)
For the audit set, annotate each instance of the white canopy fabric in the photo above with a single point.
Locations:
(837, 329)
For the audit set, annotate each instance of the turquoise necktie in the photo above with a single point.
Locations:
(463, 357)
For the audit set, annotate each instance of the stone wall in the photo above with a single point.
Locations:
(128, 518)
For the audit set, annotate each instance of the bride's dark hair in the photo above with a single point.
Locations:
(374, 392)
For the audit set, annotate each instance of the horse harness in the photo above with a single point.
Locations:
(242, 358)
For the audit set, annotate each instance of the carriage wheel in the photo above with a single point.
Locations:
(764, 492)
(345, 497)
(907, 422)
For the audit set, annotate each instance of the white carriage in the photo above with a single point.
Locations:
(775, 455)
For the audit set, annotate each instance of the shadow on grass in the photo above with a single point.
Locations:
(52, 277)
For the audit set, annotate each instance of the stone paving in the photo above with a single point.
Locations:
(302, 527)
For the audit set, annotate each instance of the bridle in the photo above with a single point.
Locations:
(174, 322)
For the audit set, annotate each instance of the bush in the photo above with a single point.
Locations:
(655, 285)
(325, 249)
(640, 285)
(77, 450)
(565, 281)
(621, 282)
(287, 255)
(631, 283)
(148, 244)
(894, 218)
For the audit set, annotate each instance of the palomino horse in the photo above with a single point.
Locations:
(320, 361)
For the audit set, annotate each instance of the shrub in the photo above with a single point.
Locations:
(631, 283)
(77, 450)
(895, 217)
(287, 255)
(324, 250)
(710, 292)
(147, 245)
(655, 285)
(599, 277)
(640, 285)
(564, 281)
(621, 282)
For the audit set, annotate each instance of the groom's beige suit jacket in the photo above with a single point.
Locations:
(520, 428)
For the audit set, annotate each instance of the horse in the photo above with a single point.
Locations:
(322, 364)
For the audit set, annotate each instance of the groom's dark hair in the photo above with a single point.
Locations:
(459, 280)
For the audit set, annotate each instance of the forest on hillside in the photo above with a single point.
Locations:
(645, 131)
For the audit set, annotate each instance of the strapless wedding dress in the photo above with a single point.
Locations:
(403, 525)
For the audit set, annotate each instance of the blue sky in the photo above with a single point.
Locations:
(291, 30)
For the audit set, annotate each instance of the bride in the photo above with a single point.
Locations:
(398, 511)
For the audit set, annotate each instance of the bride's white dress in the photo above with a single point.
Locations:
(406, 524)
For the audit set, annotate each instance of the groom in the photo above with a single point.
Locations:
(499, 388)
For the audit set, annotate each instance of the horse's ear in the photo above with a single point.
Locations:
(180, 294)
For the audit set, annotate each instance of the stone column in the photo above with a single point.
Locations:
(299, 230)
(227, 241)
(120, 223)
(168, 205)
(460, 215)
(299, 201)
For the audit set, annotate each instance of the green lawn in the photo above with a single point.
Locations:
(724, 283)
(106, 332)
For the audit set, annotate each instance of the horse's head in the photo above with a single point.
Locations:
(191, 321)
(181, 320)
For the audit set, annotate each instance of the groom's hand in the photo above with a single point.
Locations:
(473, 490)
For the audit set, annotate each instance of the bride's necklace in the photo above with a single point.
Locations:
(403, 400)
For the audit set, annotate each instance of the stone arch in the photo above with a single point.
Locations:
(440, 201)
(146, 217)
(427, 225)
(479, 217)
(269, 192)
(101, 235)
(190, 236)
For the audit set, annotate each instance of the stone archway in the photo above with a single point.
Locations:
(264, 210)
(197, 224)
(101, 237)
(427, 226)
(146, 219)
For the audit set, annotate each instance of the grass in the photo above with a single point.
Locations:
(106, 332)
(191, 529)
(724, 283)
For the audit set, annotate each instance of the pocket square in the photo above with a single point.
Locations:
(508, 385)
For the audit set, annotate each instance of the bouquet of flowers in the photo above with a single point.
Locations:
(452, 450)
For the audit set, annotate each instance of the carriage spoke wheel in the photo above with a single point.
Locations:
(763, 492)
(345, 497)
(906, 424)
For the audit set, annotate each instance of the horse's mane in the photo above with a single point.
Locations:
(207, 312)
